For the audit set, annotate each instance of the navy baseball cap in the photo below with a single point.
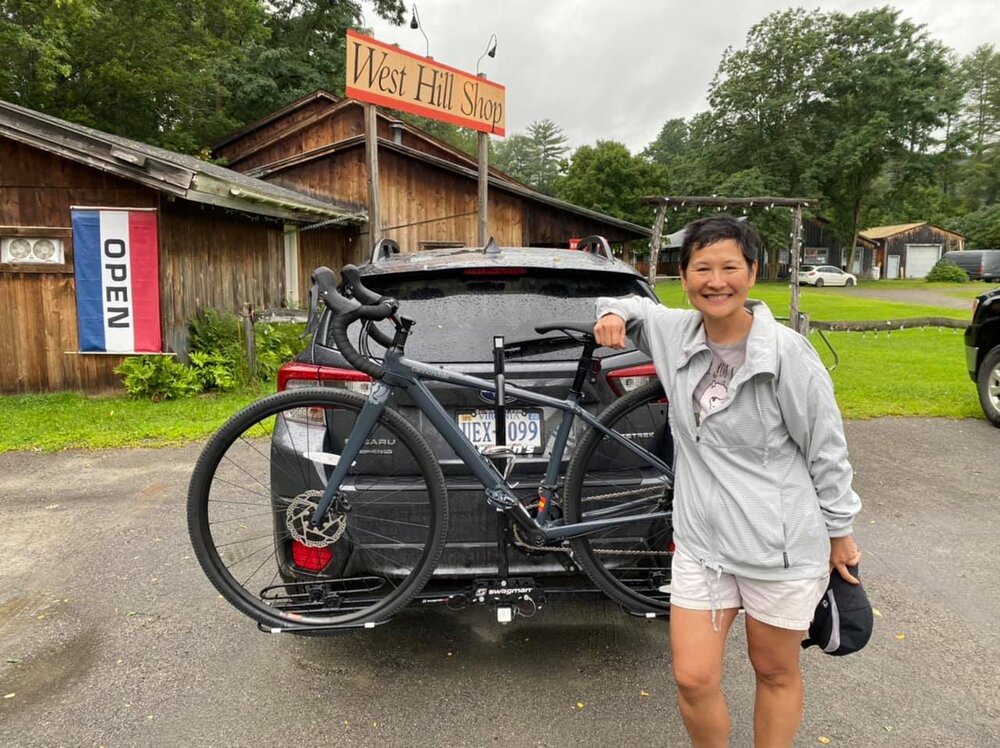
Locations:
(843, 621)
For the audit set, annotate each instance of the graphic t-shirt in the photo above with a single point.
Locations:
(713, 389)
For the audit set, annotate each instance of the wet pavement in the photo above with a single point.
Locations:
(111, 636)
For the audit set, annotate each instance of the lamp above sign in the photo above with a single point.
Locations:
(383, 74)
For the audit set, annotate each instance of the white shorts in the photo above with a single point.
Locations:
(785, 604)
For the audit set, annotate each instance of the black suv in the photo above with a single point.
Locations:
(982, 352)
(462, 298)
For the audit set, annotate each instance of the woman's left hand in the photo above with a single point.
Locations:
(843, 553)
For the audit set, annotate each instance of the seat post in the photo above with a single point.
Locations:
(584, 366)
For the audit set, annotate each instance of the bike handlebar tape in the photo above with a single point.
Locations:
(353, 279)
(338, 328)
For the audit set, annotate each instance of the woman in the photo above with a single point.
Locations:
(763, 504)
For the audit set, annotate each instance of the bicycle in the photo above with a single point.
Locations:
(358, 487)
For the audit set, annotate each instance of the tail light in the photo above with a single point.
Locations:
(297, 374)
(310, 559)
(630, 378)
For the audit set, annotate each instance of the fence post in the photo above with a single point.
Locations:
(251, 341)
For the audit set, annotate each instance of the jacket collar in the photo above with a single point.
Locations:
(762, 343)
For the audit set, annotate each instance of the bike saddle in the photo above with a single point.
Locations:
(584, 328)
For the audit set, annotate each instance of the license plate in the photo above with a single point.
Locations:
(524, 427)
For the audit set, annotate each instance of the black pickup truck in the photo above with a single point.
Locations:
(982, 352)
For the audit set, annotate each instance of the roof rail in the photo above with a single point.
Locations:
(595, 245)
(384, 249)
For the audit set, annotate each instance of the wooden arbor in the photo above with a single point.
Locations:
(795, 204)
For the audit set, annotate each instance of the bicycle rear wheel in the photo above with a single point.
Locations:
(257, 483)
(630, 563)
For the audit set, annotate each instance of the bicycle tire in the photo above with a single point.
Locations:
(629, 563)
(259, 472)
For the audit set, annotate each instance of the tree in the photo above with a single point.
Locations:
(981, 226)
(535, 158)
(515, 155)
(549, 147)
(980, 126)
(176, 73)
(821, 103)
(607, 178)
(303, 49)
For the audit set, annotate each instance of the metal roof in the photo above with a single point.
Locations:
(174, 173)
(884, 232)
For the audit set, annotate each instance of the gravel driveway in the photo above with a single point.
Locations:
(915, 296)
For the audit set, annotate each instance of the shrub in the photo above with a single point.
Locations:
(157, 378)
(947, 271)
(216, 350)
(276, 344)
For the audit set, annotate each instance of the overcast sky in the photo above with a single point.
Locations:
(619, 69)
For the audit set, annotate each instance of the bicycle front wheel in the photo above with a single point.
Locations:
(257, 483)
(630, 562)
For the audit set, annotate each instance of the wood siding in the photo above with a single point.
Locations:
(926, 234)
(255, 138)
(331, 247)
(38, 335)
(209, 258)
(215, 259)
(422, 202)
(293, 135)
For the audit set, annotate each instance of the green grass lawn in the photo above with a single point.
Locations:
(68, 420)
(834, 304)
(913, 372)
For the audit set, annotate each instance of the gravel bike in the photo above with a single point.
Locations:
(356, 484)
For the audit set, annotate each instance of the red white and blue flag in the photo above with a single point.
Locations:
(116, 258)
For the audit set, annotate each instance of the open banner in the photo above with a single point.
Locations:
(116, 259)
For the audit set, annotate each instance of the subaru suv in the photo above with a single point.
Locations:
(460, 299)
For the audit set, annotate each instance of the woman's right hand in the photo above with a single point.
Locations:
(610, 331)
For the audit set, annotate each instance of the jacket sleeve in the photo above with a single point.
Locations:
(639, 314)
(813, 420)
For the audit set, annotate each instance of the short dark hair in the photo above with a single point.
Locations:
(714, 228)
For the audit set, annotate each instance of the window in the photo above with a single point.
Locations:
(32, 250)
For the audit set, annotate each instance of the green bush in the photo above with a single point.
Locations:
(276, 344)
(217, 352)
(215, 371)
(157, 378)
(212, 331)
(948, 272)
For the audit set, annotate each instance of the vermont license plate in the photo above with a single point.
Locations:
(524, 427)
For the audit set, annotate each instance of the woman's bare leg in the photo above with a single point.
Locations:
(774, 654)
(697, 652)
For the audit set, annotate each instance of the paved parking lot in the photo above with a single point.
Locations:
(110, 635)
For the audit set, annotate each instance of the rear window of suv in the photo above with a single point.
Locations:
(457, 313)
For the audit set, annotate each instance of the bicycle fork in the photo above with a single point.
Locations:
(363, 427)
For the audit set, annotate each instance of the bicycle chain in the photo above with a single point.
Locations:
(519, 541)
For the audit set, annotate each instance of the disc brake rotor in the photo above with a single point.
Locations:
(297, 517)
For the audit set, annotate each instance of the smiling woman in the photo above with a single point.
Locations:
(763, 504)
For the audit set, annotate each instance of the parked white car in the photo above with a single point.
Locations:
(825, 275)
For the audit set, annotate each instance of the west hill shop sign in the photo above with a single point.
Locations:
(392, 77)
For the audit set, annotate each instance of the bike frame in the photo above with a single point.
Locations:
(401, 373)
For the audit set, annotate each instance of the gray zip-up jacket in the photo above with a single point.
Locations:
(763, 482)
